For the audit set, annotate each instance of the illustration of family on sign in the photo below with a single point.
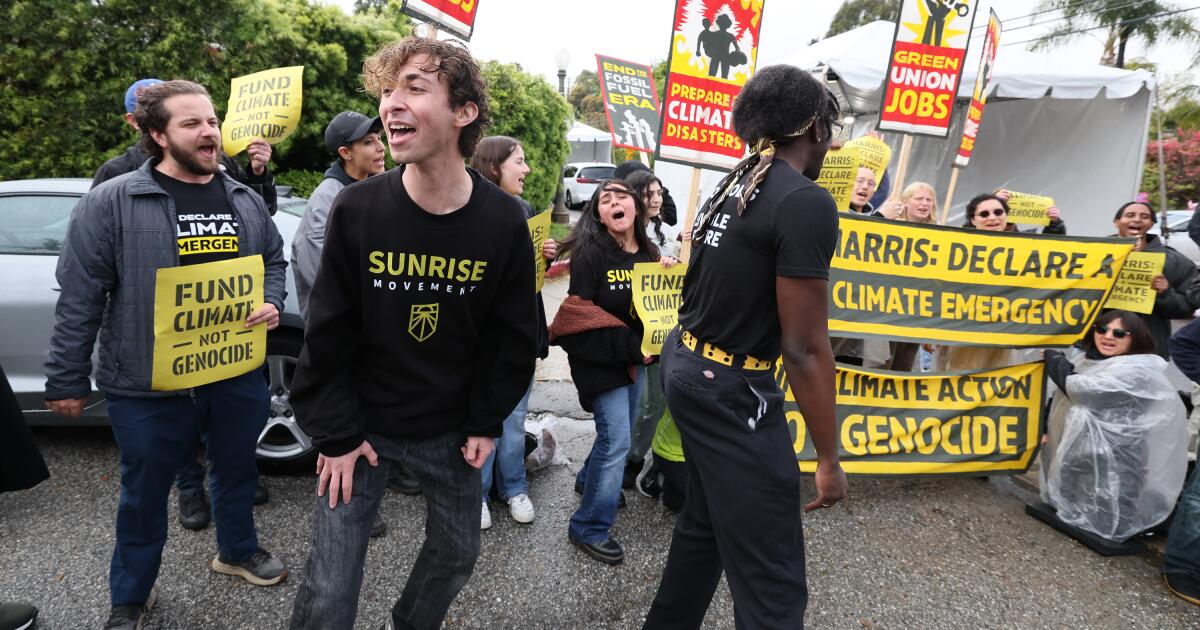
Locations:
(716, 46)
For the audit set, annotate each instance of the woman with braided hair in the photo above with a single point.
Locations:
(756, 289)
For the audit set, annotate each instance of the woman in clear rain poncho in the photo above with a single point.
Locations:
(1116, 453)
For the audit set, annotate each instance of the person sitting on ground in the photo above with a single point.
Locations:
(600, 331)
(1172, 286)
(1116, 452)
(501, 160)
(666, 473)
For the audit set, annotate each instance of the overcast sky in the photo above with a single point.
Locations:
(530, 32)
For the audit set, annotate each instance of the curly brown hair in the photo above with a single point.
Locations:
(451, 61)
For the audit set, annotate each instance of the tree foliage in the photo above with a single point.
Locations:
(1121, 21)
(529, 109)
(855, 13)
(1181, 161)
(67, 64)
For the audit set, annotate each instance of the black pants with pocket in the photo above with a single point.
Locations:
(743, 507)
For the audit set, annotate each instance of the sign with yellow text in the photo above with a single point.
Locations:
(1027, 209)
(630, 102)
(455, 16)
(914, 282)
(987, 62)
(714, 47)
(539, 231)
(1133, 292)
(200, 313)
(926, 66)
(892, 423)
(262, 105)
(656, 292)
(838, 172)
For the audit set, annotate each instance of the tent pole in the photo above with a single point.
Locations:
(685, 254)
(901, 168)
(949, 194)
(1162, 170)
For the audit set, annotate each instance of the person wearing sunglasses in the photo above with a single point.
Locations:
(989, 211)
(1115, 456)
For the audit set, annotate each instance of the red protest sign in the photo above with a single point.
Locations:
(714, 46)
(991, 43)
(454, 16)
(926, 66)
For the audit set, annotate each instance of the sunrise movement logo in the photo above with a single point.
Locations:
(423, 321)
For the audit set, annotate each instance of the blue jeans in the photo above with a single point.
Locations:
(328, 598)
(600, 476)
(508, 460)
(1182, 554)
(156, 436)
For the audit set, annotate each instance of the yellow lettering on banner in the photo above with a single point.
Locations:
(656, 292)
(199, 323)
(263, 105)
(539, 231)
(1132, 291)
(1026, 209)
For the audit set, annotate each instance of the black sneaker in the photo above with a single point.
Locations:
(647, 480)
(131, 616)
(262, 569)
(401, 481)
(629, 475)
(14, 616)
(579, 491)
(378, 528)
(261, 493)
(195, 511)
(607, 551)
(1183, 586)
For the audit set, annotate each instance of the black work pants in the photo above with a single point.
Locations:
(743, 507)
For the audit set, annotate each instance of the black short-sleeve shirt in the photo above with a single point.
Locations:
(603, 274)
(789, 228)
(206, 227)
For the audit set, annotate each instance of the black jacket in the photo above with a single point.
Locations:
(1178, 301)
(135, 156)
(1185, 350)
(21, 464)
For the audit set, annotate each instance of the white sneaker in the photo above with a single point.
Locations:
(485, 518)
(521, 508)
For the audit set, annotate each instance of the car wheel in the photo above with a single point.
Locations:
(282, 440)
(570, 203)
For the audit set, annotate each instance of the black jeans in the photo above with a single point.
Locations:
(328, 598)
(743, 506)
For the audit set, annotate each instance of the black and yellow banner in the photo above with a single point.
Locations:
(888, 423)
(948, 285)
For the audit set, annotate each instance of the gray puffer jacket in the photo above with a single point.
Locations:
(121, 233)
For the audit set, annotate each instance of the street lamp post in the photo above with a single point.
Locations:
(560, 214)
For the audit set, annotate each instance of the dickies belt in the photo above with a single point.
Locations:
(713, 353)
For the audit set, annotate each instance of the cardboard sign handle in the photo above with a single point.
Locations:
(685, 253)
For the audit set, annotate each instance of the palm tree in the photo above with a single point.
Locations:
(1122, 20)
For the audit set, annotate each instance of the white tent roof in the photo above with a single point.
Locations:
(859, 58)
(580, 132)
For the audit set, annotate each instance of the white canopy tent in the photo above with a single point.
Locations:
(1074, 132)
(588, 144)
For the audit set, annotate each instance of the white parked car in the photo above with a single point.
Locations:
(33, 223)
(1178, 239)
(580, 180)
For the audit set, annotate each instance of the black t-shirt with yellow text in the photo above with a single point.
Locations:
(206, 227)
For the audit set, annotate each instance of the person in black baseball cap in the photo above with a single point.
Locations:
(355, 140)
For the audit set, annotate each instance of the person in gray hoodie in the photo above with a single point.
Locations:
(354, 139)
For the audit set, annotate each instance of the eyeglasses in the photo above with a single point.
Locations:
(1119, 333)
(836, 129)
(983, 214)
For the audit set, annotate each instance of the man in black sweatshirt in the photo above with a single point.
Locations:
(421, 338)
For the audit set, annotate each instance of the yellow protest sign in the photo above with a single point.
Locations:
(1028, 209)
(199, 323)
(873, 153)
(838, 172)
(262, 105)
(932, 283)
(539, 231)
(656, 292)
(1132, 291)
(892, 423)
